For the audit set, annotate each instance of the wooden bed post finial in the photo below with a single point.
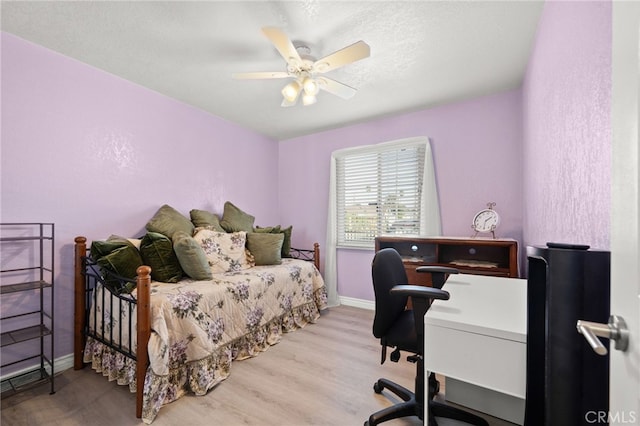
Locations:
(79, 302)
(316, 255)
(144, 271)
(143, 289)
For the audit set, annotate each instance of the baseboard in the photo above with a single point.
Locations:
(357, 303)
(485, 400)
(60, 364)
(63, 363)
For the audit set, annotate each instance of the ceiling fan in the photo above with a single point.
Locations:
(306, 71)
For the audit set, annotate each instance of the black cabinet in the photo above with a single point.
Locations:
(566, 379)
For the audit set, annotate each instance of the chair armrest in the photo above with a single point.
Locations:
(421, 298)
(420, 292)
(437, 269)
(439, 274)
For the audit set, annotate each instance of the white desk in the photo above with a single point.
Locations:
(478, 337)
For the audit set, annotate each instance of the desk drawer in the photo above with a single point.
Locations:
(486, 361)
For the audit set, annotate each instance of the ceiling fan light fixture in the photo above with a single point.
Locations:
(304, 69)
(308, 99)
(310, 86)
(291, 91)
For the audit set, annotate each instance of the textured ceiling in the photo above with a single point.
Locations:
(423, 53)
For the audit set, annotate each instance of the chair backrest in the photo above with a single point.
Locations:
(387, 270)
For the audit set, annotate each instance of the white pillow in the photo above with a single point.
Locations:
(225, 252)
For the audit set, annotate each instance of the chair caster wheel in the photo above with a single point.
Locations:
(377, 389)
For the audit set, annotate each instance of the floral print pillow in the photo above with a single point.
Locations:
(225, 252)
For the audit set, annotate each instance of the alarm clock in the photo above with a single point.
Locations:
(486, 221)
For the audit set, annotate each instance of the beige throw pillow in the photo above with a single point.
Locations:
(225, 252)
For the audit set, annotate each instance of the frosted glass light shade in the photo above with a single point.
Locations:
(308, 99)
(291, 91)
(310, 86)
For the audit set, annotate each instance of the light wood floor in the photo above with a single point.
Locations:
(320, 375)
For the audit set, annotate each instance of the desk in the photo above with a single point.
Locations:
(478, 337)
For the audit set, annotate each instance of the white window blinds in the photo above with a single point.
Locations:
(378, 191)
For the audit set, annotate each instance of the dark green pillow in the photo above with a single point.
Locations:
(286, 244)
(157, 252)
(235, 220)
(266, 248)
(167, 221)
(191, 256)
(104, 247)
(202, 218)
(118, 256)
(267, 229)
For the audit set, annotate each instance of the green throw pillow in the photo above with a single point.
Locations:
(191, 256)
(235, 220)
(267, 229)
(202, 218)
(286, 244)
(266, 248)
(167, 221)
(157, 252)
(104, 247)
(120, 257)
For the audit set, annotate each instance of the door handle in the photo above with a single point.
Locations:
(616, 330)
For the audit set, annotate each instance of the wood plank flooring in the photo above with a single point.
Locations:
(322, 374)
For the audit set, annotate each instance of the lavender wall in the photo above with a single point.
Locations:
(477, 153)
(567, 130)
(98, 155)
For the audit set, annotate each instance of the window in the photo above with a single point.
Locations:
(379, 191)
(388, 188)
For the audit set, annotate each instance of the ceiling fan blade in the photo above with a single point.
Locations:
(336, 88)
(349, 54)
(284, 45)
(260, 75)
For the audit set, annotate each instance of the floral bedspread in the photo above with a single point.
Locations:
(199, 327)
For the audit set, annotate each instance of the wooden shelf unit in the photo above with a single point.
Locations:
(479, 256)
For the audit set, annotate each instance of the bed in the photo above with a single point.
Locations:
(164, 340)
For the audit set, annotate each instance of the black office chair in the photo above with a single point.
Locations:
(403, 329)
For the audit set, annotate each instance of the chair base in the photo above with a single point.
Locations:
(404, 409)
(440, 409)
(411, 407)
